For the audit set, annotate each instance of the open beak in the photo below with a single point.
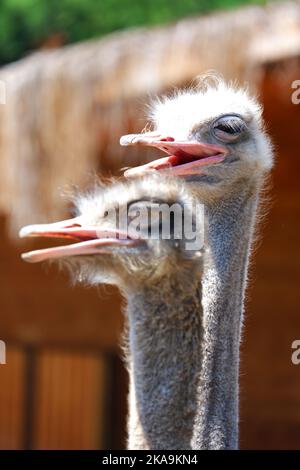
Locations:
(90, 240)
(183, 158)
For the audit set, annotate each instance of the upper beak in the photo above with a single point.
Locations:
(184, 158)
(91, 240)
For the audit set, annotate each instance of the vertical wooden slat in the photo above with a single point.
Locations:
(12, 379)
(29, 396)
(116, 401)
(70, 400)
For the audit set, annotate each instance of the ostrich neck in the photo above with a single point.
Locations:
(230, 228)
(183, 356)
(165, 328)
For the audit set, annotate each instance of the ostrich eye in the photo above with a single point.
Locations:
(139, 216)
(150, 216)
(228, 128)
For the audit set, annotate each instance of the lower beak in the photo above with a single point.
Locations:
(184, 157)
(90, 240)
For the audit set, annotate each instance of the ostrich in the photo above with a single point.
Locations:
(182, 397)
(215, 140)
(160, 279)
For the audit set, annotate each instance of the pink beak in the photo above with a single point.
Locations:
(184, 157)
(91, 240)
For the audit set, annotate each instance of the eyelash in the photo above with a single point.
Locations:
(229, 127)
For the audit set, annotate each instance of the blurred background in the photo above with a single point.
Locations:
(66, 105)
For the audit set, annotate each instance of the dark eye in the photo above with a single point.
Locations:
(228, 128)
(139, 216)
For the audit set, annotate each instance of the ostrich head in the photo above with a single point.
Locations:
(125, 235)
(213, 135)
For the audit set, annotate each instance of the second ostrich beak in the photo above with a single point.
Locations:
(90, 240)
(184, 157)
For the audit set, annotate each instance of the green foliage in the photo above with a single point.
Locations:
(25, 24)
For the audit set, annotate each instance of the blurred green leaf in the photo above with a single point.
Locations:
(26, 24)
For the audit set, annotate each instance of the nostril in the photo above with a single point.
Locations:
(73, 226)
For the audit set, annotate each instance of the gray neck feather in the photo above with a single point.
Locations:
(165, 330)
(184, 356)
(229, 236)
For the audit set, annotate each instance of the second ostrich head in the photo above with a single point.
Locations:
(120, 234)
